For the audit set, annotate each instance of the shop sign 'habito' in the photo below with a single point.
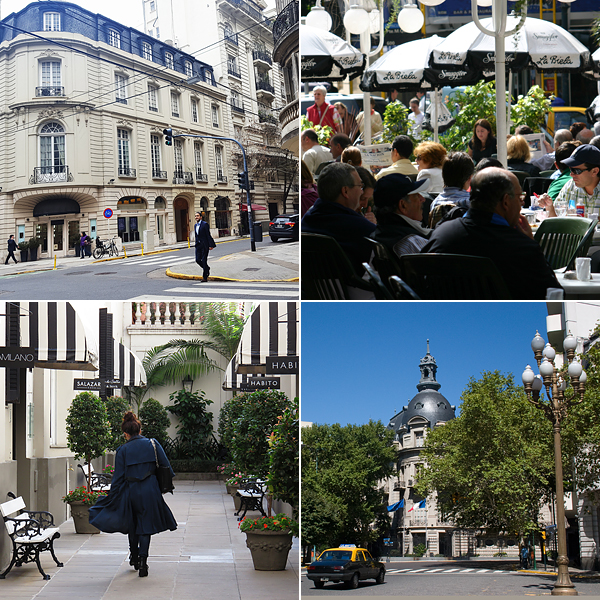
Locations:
(16, 356)
(260, 383)
(283, 365)
(92, 385)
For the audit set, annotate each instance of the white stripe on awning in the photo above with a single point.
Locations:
(127, 366)
(271, 330)
(54, 328)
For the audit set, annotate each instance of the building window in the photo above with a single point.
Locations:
(232, 68)
(51, 21)
(228, 34)
(152, 98)
(235, 99)
(146, 51)
(121, 88)
(178, 155)
(188, 69)
(155, 152)
(157, 36)
(194, 110)
(123, 147)
(169, 61)
(219, 162)
(215, 115)
(152, 6)
(174, 104)
(50, 78)
(198, 157)
(114, 38)
(52, 149)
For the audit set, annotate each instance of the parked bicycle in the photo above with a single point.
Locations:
(105, 248)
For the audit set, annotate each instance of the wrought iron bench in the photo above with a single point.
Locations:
(99, 482)
(253, 496)
(31, 532)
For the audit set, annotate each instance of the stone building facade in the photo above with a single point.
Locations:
(83, 105)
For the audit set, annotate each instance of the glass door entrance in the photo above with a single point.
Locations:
(57, 237)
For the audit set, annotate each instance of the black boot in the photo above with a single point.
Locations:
(134, 560)
(143, 566)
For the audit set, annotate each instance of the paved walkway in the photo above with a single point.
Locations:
(206, 557)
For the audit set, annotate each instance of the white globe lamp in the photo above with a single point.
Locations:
(374, 17)
(484, 2)
(410, 18)
(319, 18)
(356, 19)
(431, 2)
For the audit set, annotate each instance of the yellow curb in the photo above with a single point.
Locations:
(28, 272)
(170, 273)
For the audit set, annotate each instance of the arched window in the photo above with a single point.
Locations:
(204, 203)
(221, 204)
(52, 149)
(159, 203)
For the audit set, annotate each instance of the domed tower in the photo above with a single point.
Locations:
(417, 522)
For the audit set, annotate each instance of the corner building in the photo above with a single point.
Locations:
(83, 104)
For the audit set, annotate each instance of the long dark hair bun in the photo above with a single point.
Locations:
(131, 424)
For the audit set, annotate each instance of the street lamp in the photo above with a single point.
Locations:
(318, 17)
(555, 407)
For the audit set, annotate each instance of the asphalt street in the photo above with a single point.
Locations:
(138, 277)
(453, 579)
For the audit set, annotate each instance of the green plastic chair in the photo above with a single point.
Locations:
(327, 273)
(562, 239)
(547, 173)
(521, 176)
(438, 276)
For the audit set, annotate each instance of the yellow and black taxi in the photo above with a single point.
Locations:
(346, 563)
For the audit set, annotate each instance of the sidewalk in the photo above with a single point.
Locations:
(271, 262)
(206, 557)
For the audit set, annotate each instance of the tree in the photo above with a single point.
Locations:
(116, 407)
(155, 421)
(224, 326)
(493, 465)
(88, 429)
(344, 466)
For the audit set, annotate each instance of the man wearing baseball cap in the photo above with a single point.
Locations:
(399, 212)
(583, 188)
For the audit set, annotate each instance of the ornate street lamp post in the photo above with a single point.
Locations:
(555, 407)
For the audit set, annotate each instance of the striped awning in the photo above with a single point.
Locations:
(128, 367)
(272, 330)
(54, 329)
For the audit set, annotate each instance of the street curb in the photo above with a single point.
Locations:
(170, 273)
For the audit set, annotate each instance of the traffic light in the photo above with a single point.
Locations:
(242, 180)
(169, 136)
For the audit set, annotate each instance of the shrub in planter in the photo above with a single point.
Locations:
(23, 247)
(116, 407)
(33, 245)
(419, 550)
(155, 421)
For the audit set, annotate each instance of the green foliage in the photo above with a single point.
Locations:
(194, 432)
(279, 522)
(595, 30)
(284, 446)
(88, 428)
(419, 550)
(230, 411)
(323, 132)
(194, 466)
(224, 326)
(492, 466)
(116, 407)
(155, 420)
(341, 471)
(531, 109)
(395, 123)
(82, 494)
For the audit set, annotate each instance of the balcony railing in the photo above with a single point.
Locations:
(55, 174)
(267, 117)
(200, 176)
(50, 91)
(286, 20)
(221, 178)
(232, 39)
(236, 108)
(262, 56)
(121, 100)
(126, 172)
(248, 9)
(233, 72)
(183, 177)
(265, 86)
(156, 174)
(153, 108)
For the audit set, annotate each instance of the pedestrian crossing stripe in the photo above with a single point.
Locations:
(456, 571)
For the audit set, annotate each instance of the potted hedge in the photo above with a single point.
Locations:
(88, 436)
(33, 245)
(23, 247)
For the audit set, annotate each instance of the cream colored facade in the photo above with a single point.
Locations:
(83, 132)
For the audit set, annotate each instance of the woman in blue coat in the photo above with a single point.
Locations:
(134, 504)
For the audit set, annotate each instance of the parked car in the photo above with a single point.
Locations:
(346, 563)
(284, 226)
(562, 117)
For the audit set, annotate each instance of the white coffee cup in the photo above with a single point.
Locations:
(583, 268)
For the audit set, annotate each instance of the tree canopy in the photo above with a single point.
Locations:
(493, 465)
(341, 471)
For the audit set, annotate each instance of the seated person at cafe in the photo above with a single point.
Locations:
(399, 211)
(365, 204)
(546, 161)
(313, 153)
(402, 148)
(457, 171)
(334, 213)
(493, 227)
(337, 144)
(519, 156)
(563, 151)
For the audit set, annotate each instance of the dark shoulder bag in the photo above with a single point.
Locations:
(163, 475)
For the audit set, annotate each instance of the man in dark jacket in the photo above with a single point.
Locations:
(334, 213)
(493, 228)
(399, 212)
(12, 247)
(204, 242)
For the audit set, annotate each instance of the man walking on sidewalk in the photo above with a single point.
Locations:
(12, 246)
(204, 242)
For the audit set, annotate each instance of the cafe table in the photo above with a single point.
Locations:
(579, 290)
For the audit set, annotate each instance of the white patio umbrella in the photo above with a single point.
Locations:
(327, 57)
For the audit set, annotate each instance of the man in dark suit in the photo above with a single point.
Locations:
(204, 242)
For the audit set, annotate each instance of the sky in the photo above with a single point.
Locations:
(360, 361)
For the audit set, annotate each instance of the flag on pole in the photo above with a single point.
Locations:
(394, 507)
(423, 503)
